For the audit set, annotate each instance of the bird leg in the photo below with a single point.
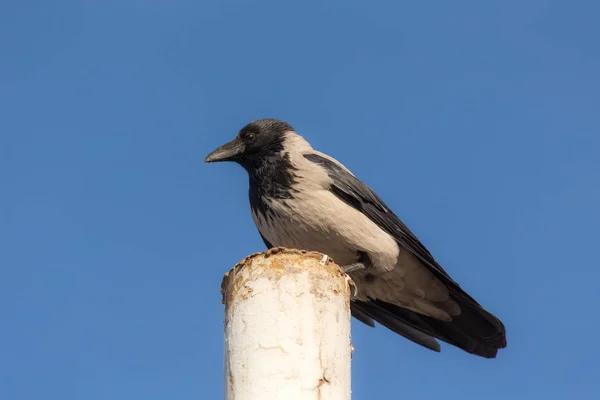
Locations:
(353, 267)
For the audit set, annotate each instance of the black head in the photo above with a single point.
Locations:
(256, 141)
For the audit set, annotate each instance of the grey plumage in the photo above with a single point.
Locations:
(301, 198)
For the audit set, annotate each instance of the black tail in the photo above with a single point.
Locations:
(475, 330)
(367, 312)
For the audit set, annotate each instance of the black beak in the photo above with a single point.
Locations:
(228, 152)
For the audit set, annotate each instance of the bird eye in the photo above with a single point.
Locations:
(248, 136)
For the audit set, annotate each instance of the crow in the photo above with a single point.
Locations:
(304, 199)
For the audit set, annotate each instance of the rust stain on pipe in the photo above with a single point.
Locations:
(282, 261)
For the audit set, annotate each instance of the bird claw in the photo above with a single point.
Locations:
(353, 267)
(352, 285)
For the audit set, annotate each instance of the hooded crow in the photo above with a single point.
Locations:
(301, 198)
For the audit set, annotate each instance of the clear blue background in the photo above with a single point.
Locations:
(478, 122)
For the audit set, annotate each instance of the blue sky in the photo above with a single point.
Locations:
(477, 122)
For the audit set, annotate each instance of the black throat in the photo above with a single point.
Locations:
(272, 176)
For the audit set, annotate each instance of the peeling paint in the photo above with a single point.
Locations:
(281, 261)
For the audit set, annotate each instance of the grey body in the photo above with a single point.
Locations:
(301, 198)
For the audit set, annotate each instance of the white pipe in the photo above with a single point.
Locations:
(287, 328)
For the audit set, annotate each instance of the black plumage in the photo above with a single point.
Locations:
(292, 185)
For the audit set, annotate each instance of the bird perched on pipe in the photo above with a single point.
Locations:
(304, 199)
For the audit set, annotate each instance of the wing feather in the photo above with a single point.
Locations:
(354, 192)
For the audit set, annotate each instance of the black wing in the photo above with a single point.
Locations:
(475, 330)
(347, 187)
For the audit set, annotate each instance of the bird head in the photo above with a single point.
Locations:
(256, 141)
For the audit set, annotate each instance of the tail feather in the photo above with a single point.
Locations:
(366, 312)
(475, 330)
